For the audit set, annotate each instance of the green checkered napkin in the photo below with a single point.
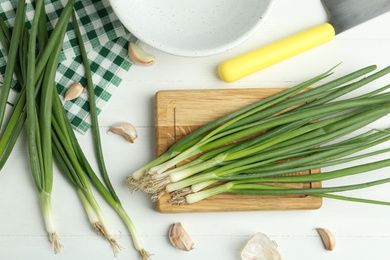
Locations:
(106, 42)
(109, 63)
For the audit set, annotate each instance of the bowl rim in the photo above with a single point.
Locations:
(195, 53)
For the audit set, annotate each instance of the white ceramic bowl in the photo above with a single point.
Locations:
(192, 28)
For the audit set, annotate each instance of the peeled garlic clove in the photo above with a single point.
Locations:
(260, 247)
(138, 56)
(74, 91)
(125, 129)
(180, 238)
(327, 237)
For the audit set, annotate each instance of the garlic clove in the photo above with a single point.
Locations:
(125, 129)
(260, 247)
(138, 56)
(74, 91)
(327, 237)
(180, 238)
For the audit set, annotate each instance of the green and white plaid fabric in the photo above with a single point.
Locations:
(105, 39)
(109, 63)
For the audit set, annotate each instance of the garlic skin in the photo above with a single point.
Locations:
(138, 56)
(260, 247)
(74, 91)
(180, 238)
(125, 129)
(327, 237)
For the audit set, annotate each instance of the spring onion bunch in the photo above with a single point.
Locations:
(235, 147)
(108, 193)
(253, 186)
(50, 134)
(70, 167)
(45, 121)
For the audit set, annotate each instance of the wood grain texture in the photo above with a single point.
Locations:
(179, 112)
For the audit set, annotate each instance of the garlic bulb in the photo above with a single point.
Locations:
(260, 247)
(74, 91)
(180, 238)
(138, 56)
(125, 129)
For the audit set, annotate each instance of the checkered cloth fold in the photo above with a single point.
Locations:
(106, 42)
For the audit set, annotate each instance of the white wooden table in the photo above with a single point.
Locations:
(362, 231)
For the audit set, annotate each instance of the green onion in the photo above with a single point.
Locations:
(42, 31)
(318, 96)
(247, 187)
(195, 136)
(93, 110)
(204, 179)
(317, 159)
(43, 180)
(98, 150)
(5, 38)
(318, 156)
(52, 43)
(73, 171)
(12, 54)
(66, 128)
(254, 189)
(332, 196)
(230, 152)
(58, 33)
(252, 128)
(50, 131)
(4, 28)
(237, 147)
(329, 132)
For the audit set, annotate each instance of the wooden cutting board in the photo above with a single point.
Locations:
(179, 112)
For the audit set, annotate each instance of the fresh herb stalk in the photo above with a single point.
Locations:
(99, 153)
(252, 187)
(43, 180)
(329, 132)
(218, 140)
(12, 56)
(303, 122)
(74, 172)
(195, 136)
(16, 114)
(177, 147)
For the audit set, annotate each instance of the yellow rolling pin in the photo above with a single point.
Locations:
(251, 62)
